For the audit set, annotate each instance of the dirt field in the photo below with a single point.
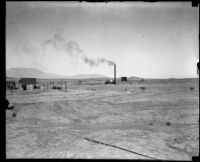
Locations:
(58, 124)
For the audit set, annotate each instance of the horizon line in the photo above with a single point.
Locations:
(102, 74)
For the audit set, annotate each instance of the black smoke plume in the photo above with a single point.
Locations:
(72, 48)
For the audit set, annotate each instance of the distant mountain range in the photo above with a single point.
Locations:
(87, 76)
(35, 73)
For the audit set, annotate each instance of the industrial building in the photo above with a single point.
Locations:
(28, 83)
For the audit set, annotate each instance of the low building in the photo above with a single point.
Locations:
(124, 79)
(27, 83)
(10, 84)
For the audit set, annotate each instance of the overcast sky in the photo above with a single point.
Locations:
(150, 40)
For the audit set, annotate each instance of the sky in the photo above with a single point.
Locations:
(148, 40)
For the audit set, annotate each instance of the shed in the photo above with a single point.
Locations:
(10, 84)
(124, 79)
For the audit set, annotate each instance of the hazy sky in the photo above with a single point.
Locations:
(150, 40)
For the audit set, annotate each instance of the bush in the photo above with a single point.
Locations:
(14, 115)
(150, 123)
(191, 88)
(142, 88)
(168, 123)
(79, 82)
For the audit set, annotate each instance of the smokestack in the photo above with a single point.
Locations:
(114, 73)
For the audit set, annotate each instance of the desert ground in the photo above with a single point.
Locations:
(159, 121)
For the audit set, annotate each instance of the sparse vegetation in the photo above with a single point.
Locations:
(192, 88)
(79, 82)
(103, 113)
(142, 88)
(13, 115)
(168, 123)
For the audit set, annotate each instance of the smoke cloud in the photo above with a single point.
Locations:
(102, 60)
(72, 48)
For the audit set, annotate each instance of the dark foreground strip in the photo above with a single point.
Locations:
(91, 140)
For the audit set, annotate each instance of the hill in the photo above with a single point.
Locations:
(30, 73)
(35, 73)
(88, 76)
